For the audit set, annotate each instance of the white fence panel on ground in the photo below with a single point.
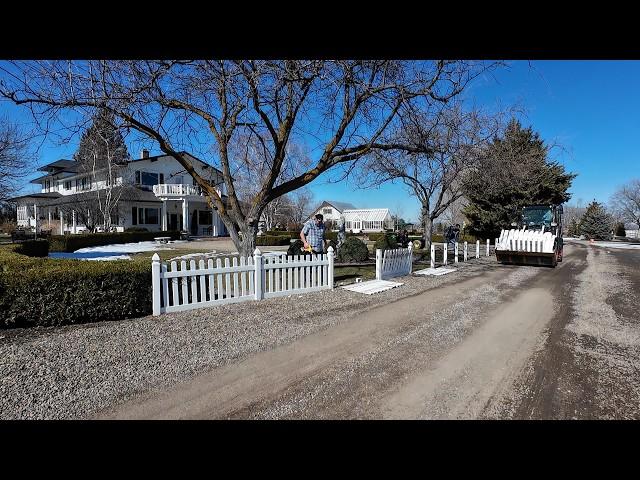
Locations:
(394, 263)
(252, 278)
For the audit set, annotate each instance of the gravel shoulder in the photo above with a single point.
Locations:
(589, 364)
(78, 371)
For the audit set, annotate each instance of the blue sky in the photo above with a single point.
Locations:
(589, 107)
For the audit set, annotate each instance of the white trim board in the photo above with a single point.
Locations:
(434, 271)
(372, 286)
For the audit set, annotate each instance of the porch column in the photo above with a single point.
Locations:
(73, 222)
(185, 215)
(49, 214)
(61, 223)
(214, 223)
(164, 215)
(35, 218)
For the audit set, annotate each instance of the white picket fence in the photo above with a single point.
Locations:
(253, 278)
(445, 252)
(394, 263)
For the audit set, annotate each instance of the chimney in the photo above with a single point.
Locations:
(144, 153)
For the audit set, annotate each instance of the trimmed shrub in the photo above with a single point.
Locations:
(331, 236)
(353, 250)
(272, 240)
(136, 229)
(620, 231)
(33, 248)
(278, 233)
(386, 242)
(71, 243)
(48, 292)
(295, 248)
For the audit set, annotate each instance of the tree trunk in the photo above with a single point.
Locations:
(428, 227)
(248, 243)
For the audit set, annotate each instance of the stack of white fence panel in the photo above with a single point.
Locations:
(525, 241)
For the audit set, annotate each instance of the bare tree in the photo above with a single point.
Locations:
(15, 155)
(625, 202)
(343, 107)
(301, 207)
(446, 148)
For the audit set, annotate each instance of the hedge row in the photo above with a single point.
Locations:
(47, 292)
(282, 233)
(270, 240)
(32, 248)
(71, 243)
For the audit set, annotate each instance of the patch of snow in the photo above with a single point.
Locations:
(135, 247)
(89, 256)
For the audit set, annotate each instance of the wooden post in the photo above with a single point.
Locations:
(330, 258)
(378, 264)
(432, 258)
(488, 241)
(445, 253)
(477, 248)
(257, 263)
(465, 253)
(455, 252)
(155, 283)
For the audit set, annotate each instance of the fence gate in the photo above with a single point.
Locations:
(394, 263)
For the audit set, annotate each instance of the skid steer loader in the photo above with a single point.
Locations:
(535, 240)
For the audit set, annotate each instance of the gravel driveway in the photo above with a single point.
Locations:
(76, 371)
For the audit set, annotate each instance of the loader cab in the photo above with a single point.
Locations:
(545, 218)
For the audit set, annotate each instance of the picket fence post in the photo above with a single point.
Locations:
(378, 264)
(477, 248)
(432, 259)
(257, 262)
(445, 253)
(465, 253)
(330, 258)
(410, 258)
(455, 253)
(155, 283)
(488, 241)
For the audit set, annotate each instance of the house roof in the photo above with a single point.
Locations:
(62, 165)
(366, 214)
(36, 195)
(340, 206)
(129, 193)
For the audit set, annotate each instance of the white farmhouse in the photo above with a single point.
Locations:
(356, 219)
(632, 230)
(331, 210)
(155, 193)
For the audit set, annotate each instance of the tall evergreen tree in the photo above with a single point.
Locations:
(101, 154)
(101, 144)
(573, 230)
(596, 223)
(513, 172)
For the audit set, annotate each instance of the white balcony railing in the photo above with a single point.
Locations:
(177, 190)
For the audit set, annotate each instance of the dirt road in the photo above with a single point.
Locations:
(513, 342)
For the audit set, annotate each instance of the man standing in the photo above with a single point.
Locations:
(312, 234)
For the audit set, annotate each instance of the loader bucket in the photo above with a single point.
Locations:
(526, 258)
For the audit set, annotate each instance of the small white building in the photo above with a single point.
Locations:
(155, 193)
(632, 230)
(367, 220)
(356, 219)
